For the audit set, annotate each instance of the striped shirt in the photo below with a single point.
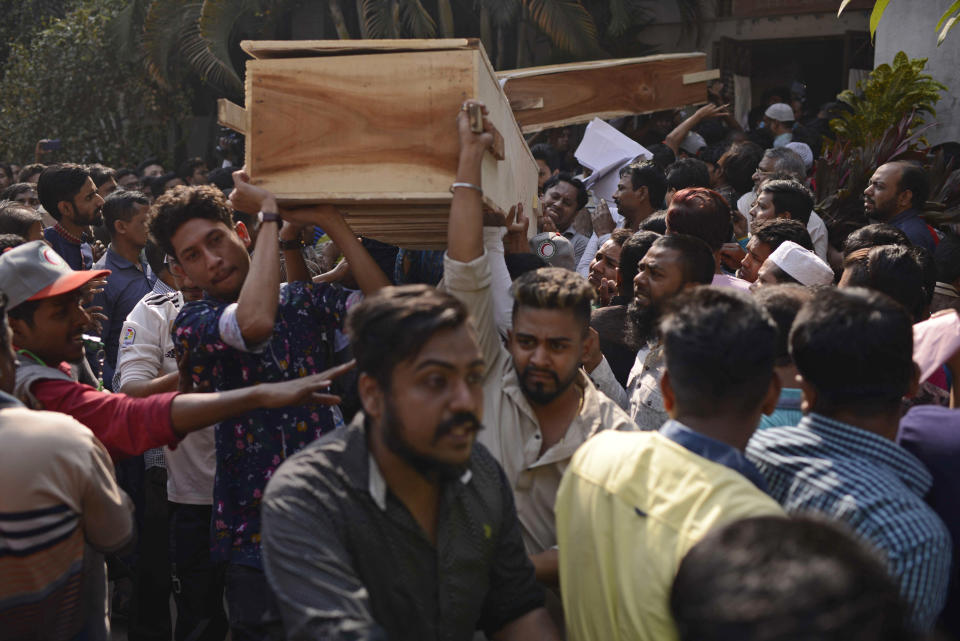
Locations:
(872, 485)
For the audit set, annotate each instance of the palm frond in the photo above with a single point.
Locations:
(502, 12)
(377, 18)
(417, 20)
(567, 24)
(162, 27)
(215, 26)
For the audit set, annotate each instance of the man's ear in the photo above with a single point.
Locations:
(772, 398)
(809, 395)
(786, 215)
(669, 398)
(18, 327)
(905, 199)
(66, 208)
(243, 233)
(119, 226)
(176, 269)
(371, 396)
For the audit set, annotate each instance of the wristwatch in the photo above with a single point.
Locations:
(268, 217)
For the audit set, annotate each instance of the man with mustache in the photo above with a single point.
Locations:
(672, 264)
(895, 195)
(539, 403)
(67, 193)
(399, 526)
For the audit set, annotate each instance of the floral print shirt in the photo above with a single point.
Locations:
(251, 446)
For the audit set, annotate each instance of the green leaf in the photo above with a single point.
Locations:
(943, 34)
(567, 23)
(876, 14)
(954, 8)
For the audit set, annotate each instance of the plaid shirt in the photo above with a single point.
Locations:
(872, 485)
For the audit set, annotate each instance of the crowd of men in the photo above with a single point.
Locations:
(703, 415)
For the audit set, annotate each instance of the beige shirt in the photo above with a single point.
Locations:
(512, 432)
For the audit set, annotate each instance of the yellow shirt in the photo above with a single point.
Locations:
(631, 504)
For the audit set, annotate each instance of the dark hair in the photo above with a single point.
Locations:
(947, 258)
(656, 222)
(647, 174)
(126, 171)
(520, 264)
(146, 163)
(698, 262)
(855, 347)
(891, 269)
(702, 213)
(16, 218)
(188, 166)
(687, 172)
(740, 163)
(100, 173)
(554, 288)
(29, 170)
(394, 324)
(156, 257)
(620, 236)
(183, 203)
(9, 241)
(663, 156)
(776, 231)
(633, 251)
(25, 310)
(873, 236)
(569, 179)
(790, 579)
(222, 177)
(60, 183)
(914, 178)
(157, 184)
(121, 205)
(546, 153)
(790, 196)
(929, 270)
(719, 347)
(783, 303)
(14, 190)
(712, 153)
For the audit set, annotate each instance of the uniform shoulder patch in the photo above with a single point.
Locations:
(129, 336)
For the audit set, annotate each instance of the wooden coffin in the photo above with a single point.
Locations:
(370, 126)
(560, 95)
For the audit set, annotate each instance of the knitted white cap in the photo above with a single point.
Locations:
(801, 264)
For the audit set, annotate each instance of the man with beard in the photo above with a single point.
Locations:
(399, 526)
(895, 195)
(540, 405)
(67, 193)
(672, 264)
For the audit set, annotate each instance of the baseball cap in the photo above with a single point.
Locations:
(555, 249)
(34, 271)
(693, 143)
(802, 264)
(780, 111)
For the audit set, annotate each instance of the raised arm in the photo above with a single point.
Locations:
(465, 229)
(709, 110)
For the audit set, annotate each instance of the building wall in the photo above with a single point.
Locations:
(910, 27)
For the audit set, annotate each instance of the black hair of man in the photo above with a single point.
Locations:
(789, 196)
(740, 164)
(631, 253)
(891, 269)
(647, 174)
(554, 288)
(698, 262)
(564, 177)
(520, 264)
(854, 346)
(125, 171)
(146, 163)
(60, 183)
(914, 178)
(156, 257)
(546, 153)
(30, 170)
(686, 173)
(663, 156)
(100, 173)
(702, 213)
(17, 218)
(775, 231)
(188, 166)
(222, 177)
(394, 324)
(874, 235)
(719, 347)
(789, 579)
(182, 204)
(657, 223)
(783, 303)
(711, 153)
(121, 205)
(9, 241)
(157, 184)
(14, 190)
(947, 258)
(928, 268)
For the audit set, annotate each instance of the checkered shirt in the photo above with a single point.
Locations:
(872, 485)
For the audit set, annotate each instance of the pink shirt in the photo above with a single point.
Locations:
(722, 280)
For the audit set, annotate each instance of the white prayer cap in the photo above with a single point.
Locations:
(780, 111)
(801, 264)
(802, 149)
(693, 143)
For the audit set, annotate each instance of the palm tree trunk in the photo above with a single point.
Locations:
(445, 12)
(336, 12)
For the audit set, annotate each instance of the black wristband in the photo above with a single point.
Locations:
(291, 245)
(269, 217)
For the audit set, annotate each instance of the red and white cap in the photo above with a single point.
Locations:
(34, 271)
